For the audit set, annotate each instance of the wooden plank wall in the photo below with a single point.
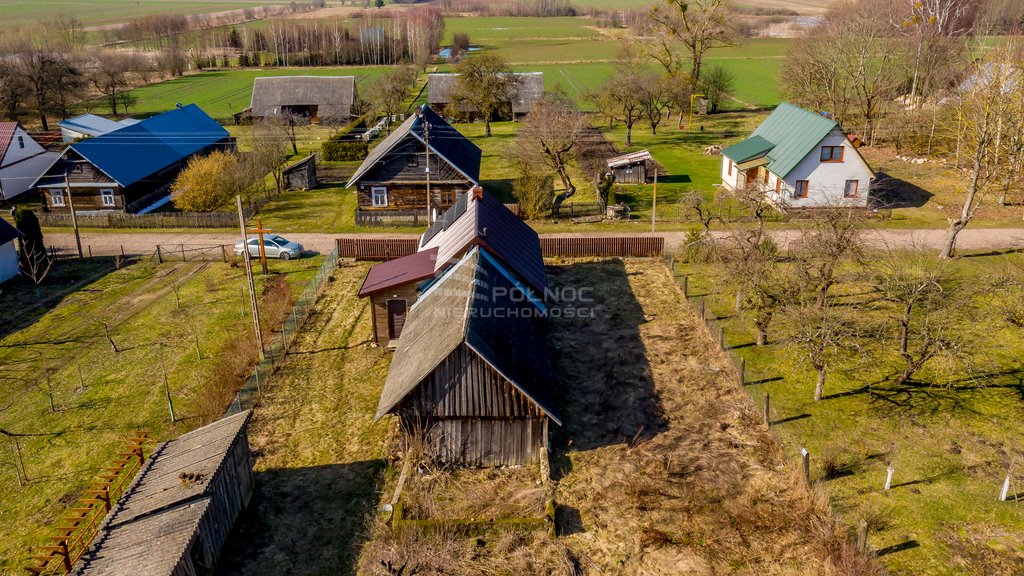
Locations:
(564, 247)
(376, 248)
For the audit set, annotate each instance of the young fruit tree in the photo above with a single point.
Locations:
(762, 282)
(486, 84)
(821, 337)
(390, 92)
(552, 136)
(830, 238)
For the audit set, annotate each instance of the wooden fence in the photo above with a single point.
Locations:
(152, 220)
(192, 252)
(578, 210)
(413, 217)
(552, 247)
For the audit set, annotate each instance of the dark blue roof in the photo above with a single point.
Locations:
(134, 152)
(8, 233)
(449, 143)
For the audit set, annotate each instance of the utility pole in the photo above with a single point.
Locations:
(253, 302)
(263, 251)
(426, 140)
(654, 202)
(74, 217)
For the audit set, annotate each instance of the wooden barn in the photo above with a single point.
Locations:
(394, 177)
(526, 91)
(301, 175)
(178, 511)
(316, 99)
(131, 169)
(471, 379)
(633, 168)
(392, 288)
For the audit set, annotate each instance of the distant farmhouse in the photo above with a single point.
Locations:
(529, 88)
(90, 126)
(22, 160)
(394, 177)
(8, 252)
(799, 159)
(131, 169)
(319, 99)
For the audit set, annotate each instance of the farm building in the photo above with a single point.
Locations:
(178, 511)
(22, 160)
(90, 126)
(394, 177)
(471, 376)
(301, 175)
(632, 168)
(318, 99)
(392, 288)
(8, 252)
(799, 159)
(131, 169)
(529, 88)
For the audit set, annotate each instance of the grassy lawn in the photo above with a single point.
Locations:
(101, 397)
(951, 441)
(102, 12)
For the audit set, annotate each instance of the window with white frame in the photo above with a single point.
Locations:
(58, 197)
(379, 194)
(107, 195)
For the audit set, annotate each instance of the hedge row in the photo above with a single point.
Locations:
(344, 151)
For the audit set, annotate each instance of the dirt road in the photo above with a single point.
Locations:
(144, 242)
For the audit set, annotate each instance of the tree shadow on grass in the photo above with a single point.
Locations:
(925, 398)
(606, 391)
(304, 520)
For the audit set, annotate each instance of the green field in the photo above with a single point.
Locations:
(222, 93)
(105, 12)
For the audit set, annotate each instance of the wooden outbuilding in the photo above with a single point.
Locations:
(178, 511)
(302, 174)
(471, 378)
(394, 177)
(392, 288)
(317, 99)
(527, 89)
(633, 168)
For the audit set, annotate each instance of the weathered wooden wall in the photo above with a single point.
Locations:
(379, 303)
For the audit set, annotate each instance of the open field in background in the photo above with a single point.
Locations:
(123, 391)
(104, 12)
(952, 443)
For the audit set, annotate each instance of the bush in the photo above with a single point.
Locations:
(342, 151)
(534, 194)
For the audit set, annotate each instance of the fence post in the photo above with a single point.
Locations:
(806, 456)
(721, 337)
(159, 257)
(742, 369)
(1006, 489)
(90, 252)
(183, 253)
(888, 476)
(767, 409)
(686, 286)
(224, 253)
(862, 536)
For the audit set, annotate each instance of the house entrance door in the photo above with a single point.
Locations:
(396, 318)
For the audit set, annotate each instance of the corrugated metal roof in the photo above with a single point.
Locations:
(333, 95)
(411, 268)
(445, 141)
(528, 90)
(486, 222)
(134, 152)
(460, 308)
(795, 133)
(626, 159)
(8, 232)
(753, 147)
(93, 125)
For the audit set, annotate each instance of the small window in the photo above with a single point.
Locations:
(107, 195)
(778, 185)
(447, 198)
(831, 153)
(730, 167)
(412, 160)
(801, 189)
(76, 168)
(21, 141)
(852, 189)
(379, 196)
(58, 197)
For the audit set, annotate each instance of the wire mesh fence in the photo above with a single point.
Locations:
(276, 350)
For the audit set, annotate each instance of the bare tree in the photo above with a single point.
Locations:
(619, 97)
(112, 74)
(832, 237)
(485, 84)
(389, 94)
(763, 284)
(653, 96)
(935, 29)
(270, 140)
(551, 136)
(692, 27)
(821, 337)
(36, 265)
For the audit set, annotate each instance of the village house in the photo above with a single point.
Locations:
(799, 159)
(394, 178)
(471, 378)
(528, 89)
(316, 99)
(90, 126)
(22, 160)
(131, 169)
(477, 219)
(9, 236)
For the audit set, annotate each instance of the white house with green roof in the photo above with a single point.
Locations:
(799, 159)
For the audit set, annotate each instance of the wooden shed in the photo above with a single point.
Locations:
(392, 289)
(320, 99)
(633, 168)
(471, 378)
(302, 174)
(178, 511)
(527, 89)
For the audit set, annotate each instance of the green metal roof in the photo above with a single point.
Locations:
(753, 147)
(795, 132)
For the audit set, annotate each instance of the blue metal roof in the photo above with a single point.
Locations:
(449, 143)
(134, 152)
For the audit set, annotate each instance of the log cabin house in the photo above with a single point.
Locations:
(476, 219)
(471, 378)
(314, 99)
(22, 160)
(131, 169)
(177, 513)
(394, 177)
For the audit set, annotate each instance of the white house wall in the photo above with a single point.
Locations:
(729, 180)
(826, 180)
(8, 261)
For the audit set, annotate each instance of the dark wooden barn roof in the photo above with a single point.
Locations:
(150, 528)
(411, 268)
(445, 141)
(528, 90)
(332, 95)
(465, 306)
(478, 218)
